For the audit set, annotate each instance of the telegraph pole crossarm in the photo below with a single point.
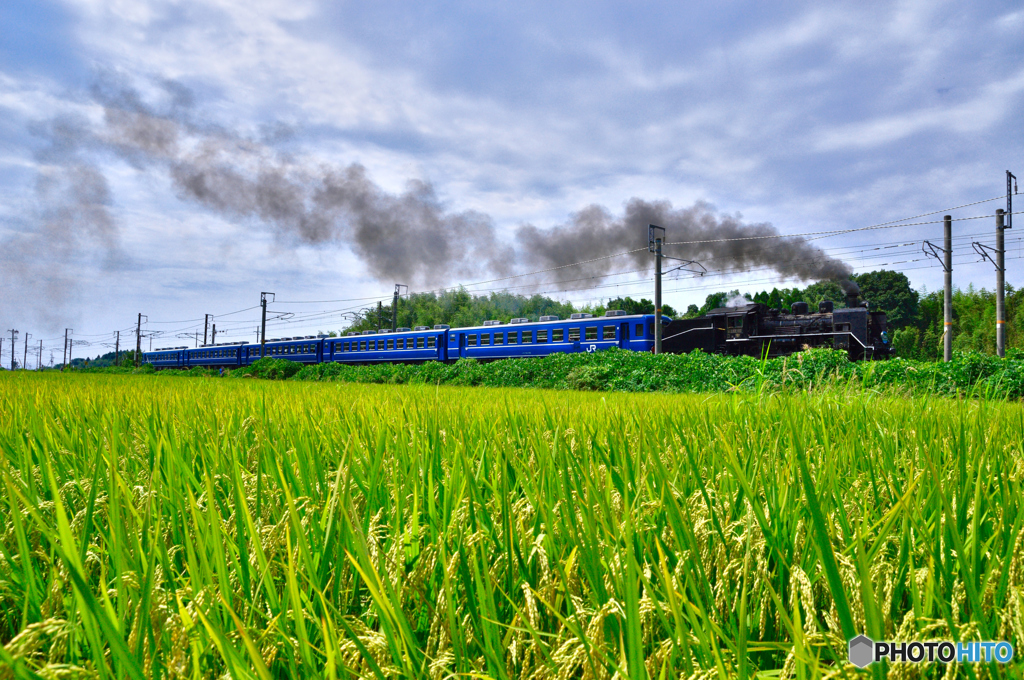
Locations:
(980, 248)
(685, 266)
(931, 250)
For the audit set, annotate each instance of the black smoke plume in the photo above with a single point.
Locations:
(409, 237)
(719, 242)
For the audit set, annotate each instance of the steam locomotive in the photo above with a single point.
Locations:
(756, 330)
(749, 329)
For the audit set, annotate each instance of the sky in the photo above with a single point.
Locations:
(176, 159)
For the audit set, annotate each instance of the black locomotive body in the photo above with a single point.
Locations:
(756, 330)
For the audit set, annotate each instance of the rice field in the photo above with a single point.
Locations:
(250, 529)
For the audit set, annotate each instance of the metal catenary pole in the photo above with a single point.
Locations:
(1000, 288)
(39, 363)
(24, 359)
(206, 327)
(65, 357)
(947, 295)
(654, 241)
(263, 327)
(117, 348)
(14, 335)
(138, 340)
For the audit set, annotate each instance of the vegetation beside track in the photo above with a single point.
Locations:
(970, 373)
(244, 528)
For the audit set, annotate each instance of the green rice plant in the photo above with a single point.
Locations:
(279, 529)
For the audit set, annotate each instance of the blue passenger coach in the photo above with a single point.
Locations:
(551, 335)
(490, 341)
(304, 350)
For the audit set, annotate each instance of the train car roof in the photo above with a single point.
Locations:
(227, 345)
(589, 319)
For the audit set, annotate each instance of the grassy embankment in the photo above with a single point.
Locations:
(280, 529)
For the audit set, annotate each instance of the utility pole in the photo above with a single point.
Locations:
(394, 305)
(39, 364)
(214, 334)
(655, 237)
(117, 348)
(655, 240)
(138, 340)
(1000, 287)
(380, 314)
(1, 345)
(24, 359)
(206, 327)
(263, 327)
(947, 294)
(946, 260)
(71, 346)
(14, 337)
(66, 346)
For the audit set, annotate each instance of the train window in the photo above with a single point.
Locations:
(527, 337)
(557, 334)
(362, 345)
(485, 338)
(513, 338)
(735, 321)
(419, 343)
(542, 336)
(391, 344)
(574, 334)
(471, 340)
(650, 329)
(431, 342)
(609, 332)
(499, 338)
(591, 333)
(639, 331)
(344, 346)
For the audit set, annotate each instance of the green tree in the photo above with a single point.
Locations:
(890, 292)
(906, 342)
